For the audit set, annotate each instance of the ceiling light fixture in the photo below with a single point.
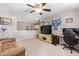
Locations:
(38, 10)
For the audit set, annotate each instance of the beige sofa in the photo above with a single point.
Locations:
(17, 51)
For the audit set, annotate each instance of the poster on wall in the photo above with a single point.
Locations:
(56, 22)
(69, 20)
(5, 21)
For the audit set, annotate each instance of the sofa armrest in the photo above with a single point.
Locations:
(17, 51)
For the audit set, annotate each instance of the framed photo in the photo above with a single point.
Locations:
(5, 21)
(69, 20)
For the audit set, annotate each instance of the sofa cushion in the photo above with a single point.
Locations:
(17, 51)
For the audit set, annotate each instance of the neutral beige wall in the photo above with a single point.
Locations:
(21, 25)
(70, 14)
(11, 29)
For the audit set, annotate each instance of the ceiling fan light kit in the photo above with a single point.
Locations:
(39, 8)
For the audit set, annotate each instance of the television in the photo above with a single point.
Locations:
(46, 29)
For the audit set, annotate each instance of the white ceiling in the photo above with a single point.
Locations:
(22, 10)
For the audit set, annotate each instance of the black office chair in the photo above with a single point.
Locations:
(69, 39)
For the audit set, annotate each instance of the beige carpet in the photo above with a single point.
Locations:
(35, 47)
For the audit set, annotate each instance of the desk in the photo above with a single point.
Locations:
(61, 40)
(55, 39)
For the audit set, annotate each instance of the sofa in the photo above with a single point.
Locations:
(9, 47)
(15, 51)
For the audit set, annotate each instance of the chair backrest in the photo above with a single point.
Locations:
(76, 30)
(69, 37)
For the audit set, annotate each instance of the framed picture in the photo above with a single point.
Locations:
(5, 21)
(69, 20)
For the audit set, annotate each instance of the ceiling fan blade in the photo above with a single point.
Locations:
(40, 13)
(32, 11)
(47, 10)
(30, 5)
(43, 4)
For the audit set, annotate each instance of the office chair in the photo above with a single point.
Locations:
(69, 39)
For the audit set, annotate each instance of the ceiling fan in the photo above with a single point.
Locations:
(39, 8)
